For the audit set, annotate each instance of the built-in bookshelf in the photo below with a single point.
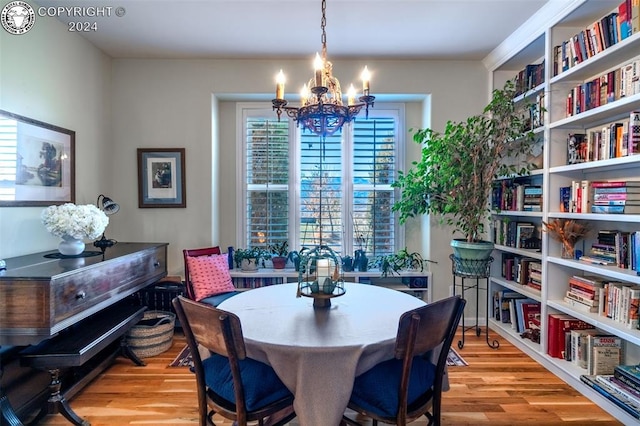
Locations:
(590, 94)
(416, 283)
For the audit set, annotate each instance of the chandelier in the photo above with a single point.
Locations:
(322, 111)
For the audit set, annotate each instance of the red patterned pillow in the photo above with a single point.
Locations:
(209, 275)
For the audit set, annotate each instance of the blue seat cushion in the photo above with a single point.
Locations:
(218, 298)
(261, 384)
(376, 390)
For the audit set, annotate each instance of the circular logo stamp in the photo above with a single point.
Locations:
(17, 17)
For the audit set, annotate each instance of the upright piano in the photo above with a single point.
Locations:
(43, 294)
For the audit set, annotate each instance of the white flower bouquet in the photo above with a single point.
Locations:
(83, 221)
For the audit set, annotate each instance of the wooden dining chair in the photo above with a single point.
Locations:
(228, 383)
(409, 386)
(216, 297)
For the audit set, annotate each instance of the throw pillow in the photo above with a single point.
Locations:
(209, 275)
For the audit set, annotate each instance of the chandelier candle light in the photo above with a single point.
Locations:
(322, 110)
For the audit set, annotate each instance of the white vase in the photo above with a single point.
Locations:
(70, 246)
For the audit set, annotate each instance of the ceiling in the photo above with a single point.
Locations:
(383, 29)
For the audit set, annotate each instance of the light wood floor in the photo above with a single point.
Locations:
(499, 387)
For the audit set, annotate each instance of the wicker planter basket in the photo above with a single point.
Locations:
(153, 335)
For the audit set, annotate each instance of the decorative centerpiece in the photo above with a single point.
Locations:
(73, 223)
(568, 233)
(319, 275)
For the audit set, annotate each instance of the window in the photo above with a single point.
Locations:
(10, 161)
(337, 191)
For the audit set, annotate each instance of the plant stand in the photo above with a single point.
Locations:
(467, 275)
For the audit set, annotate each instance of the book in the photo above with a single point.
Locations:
(565, 199)
(558, 325)
(604, 353)
(579, 347)
(615, 196)
(616, 383)
(625, 209)
(613, 395)
(629, 374)
(524, 233)
(615, 184)
(579, 306)
(633, 141)
(604, 359)
(523, 318)
(577, 148)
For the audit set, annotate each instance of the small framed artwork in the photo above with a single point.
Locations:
(37, 162)
(161, 178)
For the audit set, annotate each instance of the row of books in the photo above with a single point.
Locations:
(604, 197)
(604, 89)
(507, 195)
(622, 387)
(523, 270)
(598, 36)
(515, 309)
(615, 248)
(614, 140)
(595, 351)
(616, 300)
(559, 328)
(256, 282)
(511, 233)
(612, 247)
(529, 78)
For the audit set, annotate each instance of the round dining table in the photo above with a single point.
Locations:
(318, 352)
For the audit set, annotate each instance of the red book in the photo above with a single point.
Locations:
(559, 324)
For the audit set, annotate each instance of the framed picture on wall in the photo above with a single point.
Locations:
(161, 178)
(37, 162)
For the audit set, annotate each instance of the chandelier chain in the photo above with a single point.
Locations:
(323, 24)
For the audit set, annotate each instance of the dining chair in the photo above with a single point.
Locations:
(229, 383)
(405, 388)
(206, 277)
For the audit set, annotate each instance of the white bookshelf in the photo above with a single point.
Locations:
(513, 55)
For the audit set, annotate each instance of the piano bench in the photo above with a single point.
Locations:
(77, 345)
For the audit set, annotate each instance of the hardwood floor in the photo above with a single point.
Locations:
(499, 387)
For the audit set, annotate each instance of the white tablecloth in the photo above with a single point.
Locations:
(317, 353)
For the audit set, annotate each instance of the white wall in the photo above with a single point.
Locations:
(53, 76)
(117, 106)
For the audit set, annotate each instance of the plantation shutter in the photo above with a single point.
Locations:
(374, 168)
(9, 160)
(267, 181)
(321, 192)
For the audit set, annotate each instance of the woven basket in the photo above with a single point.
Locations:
(153, 335)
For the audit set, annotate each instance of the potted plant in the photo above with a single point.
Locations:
(454, 176)
(279, 254)
(400, 261)
(248, 259)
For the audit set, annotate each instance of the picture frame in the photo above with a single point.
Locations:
(161, 178)
(38, 161)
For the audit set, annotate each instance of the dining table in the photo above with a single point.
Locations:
(318, 352)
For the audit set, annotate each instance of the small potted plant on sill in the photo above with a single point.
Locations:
(400, 261)
(248, 259)
(279, 254)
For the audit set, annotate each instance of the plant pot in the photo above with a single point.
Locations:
(249, 265)
(279, 262)
(471, 259)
